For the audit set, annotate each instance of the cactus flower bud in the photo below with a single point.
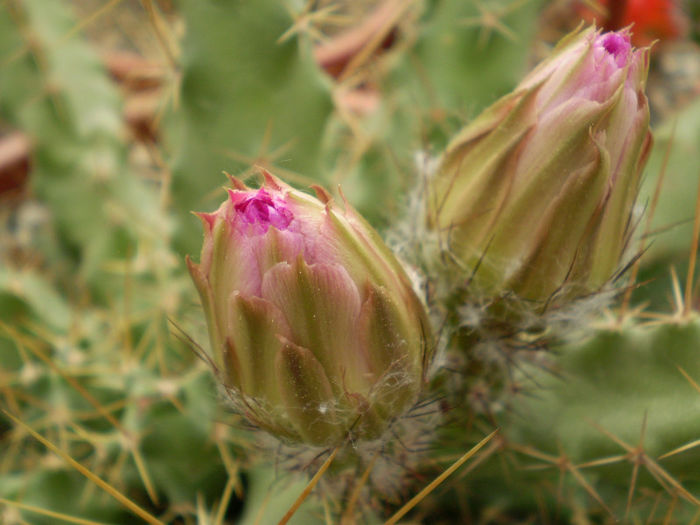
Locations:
(535, 196)
(314, 326)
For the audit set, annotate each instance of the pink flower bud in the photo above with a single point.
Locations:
(535, 196)
(315, 329)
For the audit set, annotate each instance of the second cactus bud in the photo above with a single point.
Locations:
(535, 196)
(315, 329)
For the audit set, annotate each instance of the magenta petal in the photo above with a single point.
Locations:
(263, 210)
(618, 45)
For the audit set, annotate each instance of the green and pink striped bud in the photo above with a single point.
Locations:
(314, 326)
(535, 196)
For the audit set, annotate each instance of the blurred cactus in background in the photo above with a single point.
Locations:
(554, 376)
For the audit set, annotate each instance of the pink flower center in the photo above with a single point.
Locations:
(618, 46)
(261, 209)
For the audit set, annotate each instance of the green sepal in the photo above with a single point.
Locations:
(255, 325)
(512, 234)
(307, 395)
(617, 223)
(472, 183)
(564, 230)
(204, 289)
(221, 278)
(322, 305)
(394, 349)
(231, 365)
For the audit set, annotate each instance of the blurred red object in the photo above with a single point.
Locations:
(651, 19)
(337, 53)
(15, 164)
(142, 83)
(133, 71)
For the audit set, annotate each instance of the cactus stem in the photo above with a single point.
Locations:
(564, 464)
(229, 488)
(45, 512)
(689, 379)
(109, 489)
(490, 21)
(603, 461)
(677, 293)
(639, 457)
(681, 449)
(687, 305)
(309, 487)
(162, 31)
(438, 480)
(348, 514)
